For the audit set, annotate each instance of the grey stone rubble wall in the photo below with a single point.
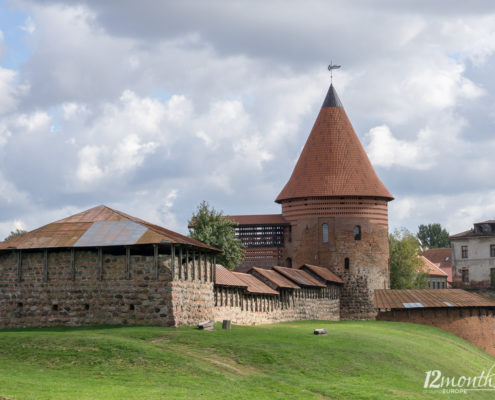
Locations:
(87, 300)
(250, 309)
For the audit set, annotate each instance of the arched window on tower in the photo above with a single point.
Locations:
(346, 263)
(324, 233)
(357, 232)
(288, 262)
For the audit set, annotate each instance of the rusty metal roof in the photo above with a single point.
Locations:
(256, 219)
(261, 219)
(98, 226)
(224, 277)
(323, 273)
(278, 280)
(302, 278)
(254, 285)
(431, 268)
(429, 298)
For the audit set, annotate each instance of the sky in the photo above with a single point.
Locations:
(151, 107)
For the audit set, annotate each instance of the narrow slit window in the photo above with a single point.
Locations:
(324, 233)
(346, 263)
(357, 232)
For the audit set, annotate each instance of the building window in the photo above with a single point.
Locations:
(465, 276)
(288, 262)
(492, 250)
(464, 251)
(443, 285)
(346, 263)
(357, 232)
(324, 233)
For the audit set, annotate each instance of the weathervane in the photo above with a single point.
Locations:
(331, 67)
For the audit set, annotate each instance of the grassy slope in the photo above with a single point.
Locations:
(363, 360)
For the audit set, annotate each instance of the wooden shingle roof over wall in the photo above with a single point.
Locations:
(224, 277)
(395, 299)
(254, 285)
(278, 280)
(323, 273)
(300, 277)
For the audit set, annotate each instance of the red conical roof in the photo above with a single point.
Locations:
(333, 161)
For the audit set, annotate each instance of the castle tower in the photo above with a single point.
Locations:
(337, 209)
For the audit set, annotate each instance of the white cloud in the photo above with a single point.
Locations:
(10, 90)
(385, 150)
(456, 212)
(88, 169)
(29, 25)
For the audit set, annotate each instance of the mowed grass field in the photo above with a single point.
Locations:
(356, 360)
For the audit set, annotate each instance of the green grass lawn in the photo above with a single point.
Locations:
(356, 360)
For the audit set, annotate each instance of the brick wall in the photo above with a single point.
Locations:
(368, 257)
(79, 297)
(476, 325)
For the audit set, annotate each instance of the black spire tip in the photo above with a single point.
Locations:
(332, 99)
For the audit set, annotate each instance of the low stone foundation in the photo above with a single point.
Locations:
(474, 324)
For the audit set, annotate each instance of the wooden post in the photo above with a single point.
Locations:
(100, 263)
(172, 261)
(205, 260)
(155, 262)
(193, 272)
(19, 266)
(214, 272)
(73, 262)
(127, 262)
(226, 324)
(180, 263)
(45, 265)
(186, 269)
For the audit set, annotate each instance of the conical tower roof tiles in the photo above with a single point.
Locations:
(333, 161)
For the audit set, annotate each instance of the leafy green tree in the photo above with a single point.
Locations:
(213, 228)
(13, 234)
(433, 236)
(406, 267)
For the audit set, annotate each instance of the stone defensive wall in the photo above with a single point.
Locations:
(145, 285)
(268, 296)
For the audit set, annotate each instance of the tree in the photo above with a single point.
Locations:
(406, 267)
(13, 234)
(433, 236)
(213, 228)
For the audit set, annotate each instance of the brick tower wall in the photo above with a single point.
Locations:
(368, 257)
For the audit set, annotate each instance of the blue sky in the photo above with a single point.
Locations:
(151, 107)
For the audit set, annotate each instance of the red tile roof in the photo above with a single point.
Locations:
(262, 219)
(302, 278)
(442, 258)
(429, 298)
(278, 280)
(254, 285)
(98, 226)
(323, 273)
(431, 268)
(333, 162)
(224, 277)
